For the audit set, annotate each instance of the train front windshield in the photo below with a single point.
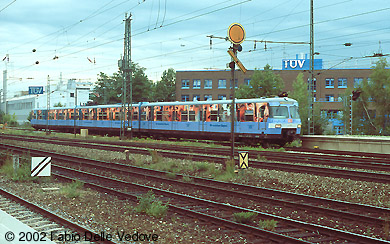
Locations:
(278, 112)
(294, 112)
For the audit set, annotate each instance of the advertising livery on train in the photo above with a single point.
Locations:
(270, 120)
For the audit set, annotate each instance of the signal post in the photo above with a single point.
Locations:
(236, 35)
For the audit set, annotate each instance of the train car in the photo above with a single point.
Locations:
(273, 120)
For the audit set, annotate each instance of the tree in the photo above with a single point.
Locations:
(301, 94)
(165, 89)
(108, 89)
(263, 83)
(59, 104)
(378, 91)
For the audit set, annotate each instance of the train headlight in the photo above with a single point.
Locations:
(299, 126)
(278, 126)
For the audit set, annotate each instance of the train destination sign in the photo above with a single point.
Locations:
(35, 90)
(236, 33)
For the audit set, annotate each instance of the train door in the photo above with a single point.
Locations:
(262, 113)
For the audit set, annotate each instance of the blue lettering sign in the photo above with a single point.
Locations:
(300, 64)
(34, 90)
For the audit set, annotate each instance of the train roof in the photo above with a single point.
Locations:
(253, 100)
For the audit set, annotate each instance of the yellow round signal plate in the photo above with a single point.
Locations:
(236, 33)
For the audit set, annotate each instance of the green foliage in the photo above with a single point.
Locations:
(228, 173)
(108, 89)
(371, 108)
(295, 143)
(155, 156)
(59, 104)
(187, 179)
(72, 190)
(264, 83)
(268, 224)
(171, 175)
(149, 205)
(202, 166)
(8, 119)
(301, 94)
(244, 217)
(22, 174)
(165, 89)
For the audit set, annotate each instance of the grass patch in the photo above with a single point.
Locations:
(156, 158)
(171, 175)
(72, 190)
(151, 206)
(202, 166)
(295, 143)
(244, 217)
(22, 174)
(268, 224)
(187, 179)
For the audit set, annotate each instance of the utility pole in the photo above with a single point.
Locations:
(127, 97)
(311, 82)
(48, 105)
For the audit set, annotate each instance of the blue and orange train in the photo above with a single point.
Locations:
(270, 120)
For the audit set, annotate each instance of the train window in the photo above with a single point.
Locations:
(102, 115)
(165, 115)
(159, 116)
(71, 115)
(117, 116)
(214, 115)
(184, 116)
(249, 115)
(86, 115)
(191, 116)
(294, 112)
(278, 112)
(135, 115)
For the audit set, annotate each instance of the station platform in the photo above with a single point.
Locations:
(11, 230)
(367, 144)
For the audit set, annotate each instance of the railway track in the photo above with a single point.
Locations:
(220, 155)
(240, 191)
(45, 222)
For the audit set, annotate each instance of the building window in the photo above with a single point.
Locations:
(208, 84)
(208, 97)
(329, 97)
(329, 83)
(196, 98)
(221, 84)
(221, 97)
(71, 94)
(185, 84)
(342, 83)
(357, 81)
(247, 82)
(185, 98)
(196, 84)
(235, 84)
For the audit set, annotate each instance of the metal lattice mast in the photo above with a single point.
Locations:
(126, 69)
(48, 105)
(311, 79)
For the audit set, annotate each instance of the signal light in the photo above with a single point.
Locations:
(355, 95)
(232, 65)
(283, 94)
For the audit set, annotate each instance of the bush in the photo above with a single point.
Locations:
(244, 217)
(149, 205)
(23, 173)
(73, 189)
(268, 224)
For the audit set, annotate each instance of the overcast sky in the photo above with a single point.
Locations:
(87, 35)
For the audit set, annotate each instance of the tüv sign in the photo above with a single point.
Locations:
(300, 64)
(33, 90)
